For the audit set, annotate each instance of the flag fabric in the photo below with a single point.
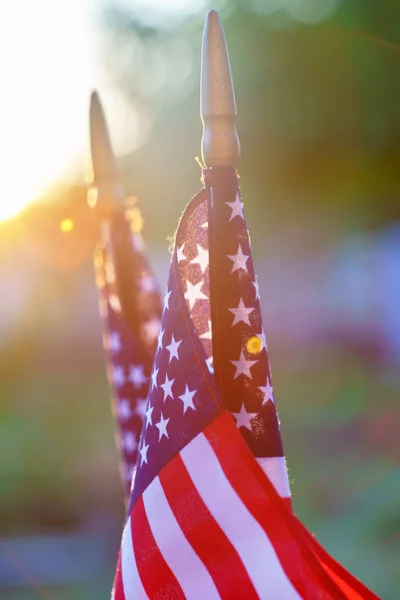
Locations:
(209, 514)
(241, 362)
(130, 308)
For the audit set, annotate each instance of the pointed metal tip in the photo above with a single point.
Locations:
(107, 192)
(213, 15)
(94, 97)
(104, 164)
(95, 107)
(220, 142)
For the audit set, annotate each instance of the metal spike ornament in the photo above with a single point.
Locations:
(220, 142)
(106, 193)
(107, 197)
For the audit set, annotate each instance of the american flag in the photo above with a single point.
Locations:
(130, 306)
(209, 513)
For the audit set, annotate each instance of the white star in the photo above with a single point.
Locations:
(148, 415)
(154, 379)
(162, 427)
(140, 408)
(257, 289)
(148, 284)
(267, 391)
(152, 328)
(179, 253)
(207, 335)
(201, 259)
(143, 453)
(243, 418)
(187, 399)
(193, 293)
(239, 260)
(241, 313)
(114, 342)
(124, 409)
(166, 300)
(173, 348)
(160, 338)
(130, 443)
(205, 225)
(167, 387)
(137, 376)
(118, 376)
(209, 363)
(243, 366)
(263, 340)
(237, 208)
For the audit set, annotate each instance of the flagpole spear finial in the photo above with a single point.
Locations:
(105, 170)
(220, 143)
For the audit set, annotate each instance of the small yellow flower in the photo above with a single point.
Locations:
(254, 345)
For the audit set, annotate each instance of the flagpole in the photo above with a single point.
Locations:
(247, 394)
(107, 197)
(130, 304)
(220, 143)
(109, 192)
(105, 194)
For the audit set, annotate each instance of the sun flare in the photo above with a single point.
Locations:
(24, 187)
(43, 115)
(48, 71)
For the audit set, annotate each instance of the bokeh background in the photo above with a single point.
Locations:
(318, 94)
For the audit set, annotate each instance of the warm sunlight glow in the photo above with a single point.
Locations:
(47, 73)
(67, 225)
(50, 60)
(22, 185)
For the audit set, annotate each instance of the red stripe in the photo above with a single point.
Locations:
(204, 534)
(119, 593)
(156, 576)
(263, 502)
(346, 581)
(332, 574)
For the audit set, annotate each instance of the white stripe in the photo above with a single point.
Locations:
(238, 524)
(275, 470)
(192, 575)
(133, 586)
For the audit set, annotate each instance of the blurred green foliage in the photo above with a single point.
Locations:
(317, 111)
